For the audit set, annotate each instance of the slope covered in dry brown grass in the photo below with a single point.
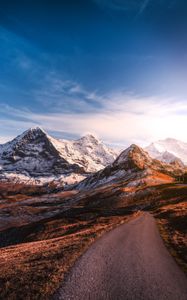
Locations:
(51, 231)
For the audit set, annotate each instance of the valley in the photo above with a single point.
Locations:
(93, 150)
(45, 228)
(42, 248)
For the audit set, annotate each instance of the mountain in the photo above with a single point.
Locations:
(168, 150)
(133, 167)
(170, 158)
(36, 156)
(87, 152)
(32, 155)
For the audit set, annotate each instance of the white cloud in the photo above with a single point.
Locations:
(124, 119)
(5, 139)
(143, 6)
(57, 93)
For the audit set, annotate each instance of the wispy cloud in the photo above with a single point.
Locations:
(143, 6)
(55, 92)
(124, 5)
(117, 4)
(124, 119)
(46, 87)
(65, 105)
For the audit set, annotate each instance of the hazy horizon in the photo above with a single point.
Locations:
(116, 146)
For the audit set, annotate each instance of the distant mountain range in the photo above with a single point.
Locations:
(87, 152)
(132, 168)
(168, 150)
(36, 157)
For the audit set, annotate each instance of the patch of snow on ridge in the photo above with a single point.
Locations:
(61, 180)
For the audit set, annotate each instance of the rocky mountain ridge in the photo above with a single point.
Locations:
(134, 167)
(36, 157)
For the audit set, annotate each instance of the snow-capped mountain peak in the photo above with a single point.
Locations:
(134, 167)
(35, 129)
(168, 149)
(89, 138)
(135, 154)
(35, 153)
(88, 152)
(167, 157)
(24, 138)
(32, 132)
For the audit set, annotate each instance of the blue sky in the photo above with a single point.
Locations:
(115, 68)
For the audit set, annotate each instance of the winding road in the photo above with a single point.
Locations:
(130, 263)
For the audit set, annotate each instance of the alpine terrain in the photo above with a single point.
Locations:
(168, 150)
(36, 157)
(134, 167)
(45, 229)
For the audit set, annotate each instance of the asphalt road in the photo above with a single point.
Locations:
(130, 263)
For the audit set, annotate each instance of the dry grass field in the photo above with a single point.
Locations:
(171, 214)
(50, 232)
(36, 255)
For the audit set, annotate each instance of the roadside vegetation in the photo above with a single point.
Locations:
(36, 254)
(39, 254)
(170, 211)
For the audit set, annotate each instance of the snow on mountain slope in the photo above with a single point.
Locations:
(33, 155)
(167, 150)
(55, 180)
(133, 167)
(36, 157)
(87, 152)
(169, 158)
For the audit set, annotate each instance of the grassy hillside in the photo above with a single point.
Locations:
(51, 231)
